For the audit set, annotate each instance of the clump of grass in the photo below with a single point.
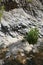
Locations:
(32, 36)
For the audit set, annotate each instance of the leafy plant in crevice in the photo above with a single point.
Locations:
(32, 36)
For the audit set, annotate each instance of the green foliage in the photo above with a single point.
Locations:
(0, 0)
(29, 1)
(1, 11)
(32, 36)
(0, 14)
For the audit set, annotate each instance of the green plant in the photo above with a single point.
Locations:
(32, 36)
(1, 10)
(29, 1)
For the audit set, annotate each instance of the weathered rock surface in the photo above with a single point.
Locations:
(15, 25)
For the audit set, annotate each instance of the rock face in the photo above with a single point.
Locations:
(15, 25)
(30, 6)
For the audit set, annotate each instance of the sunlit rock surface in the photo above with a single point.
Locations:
(13, 27)
(17, 23)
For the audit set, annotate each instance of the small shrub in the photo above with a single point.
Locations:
(32, 36)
